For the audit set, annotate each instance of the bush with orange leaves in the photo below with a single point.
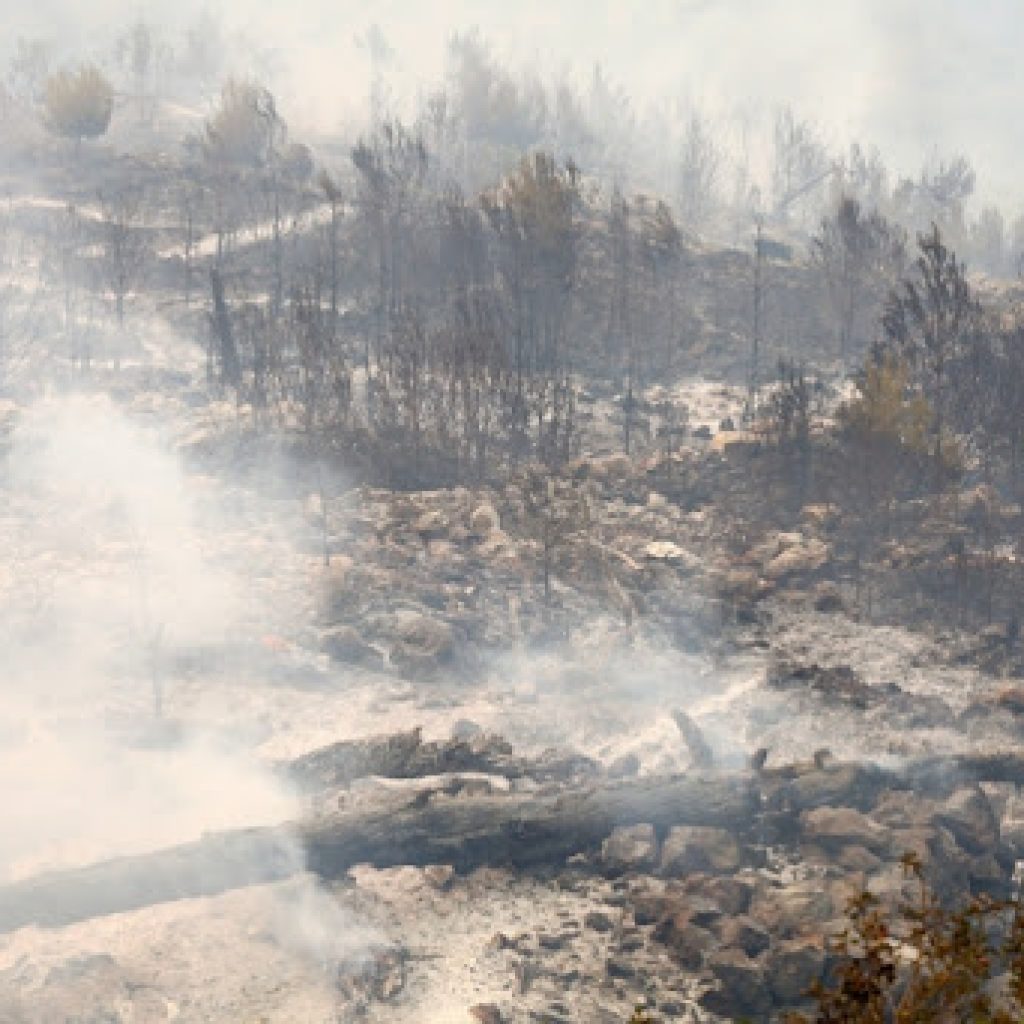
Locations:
(924, 963)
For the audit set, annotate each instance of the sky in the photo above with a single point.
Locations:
(914, 77)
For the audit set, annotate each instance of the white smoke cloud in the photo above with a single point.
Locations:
(107, 577)
(912, 77)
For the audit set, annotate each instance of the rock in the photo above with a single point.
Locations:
(792, 966)
(726, 891)
(343, 643)
(486, 1013)
(648, 908)
(1012, 834)
(625, 767)
(1011, 698)
(828, 597)
(799, 558)
(745, 933)
(818, 515)
(497, 547)
(439, 876)
(737, 440)
(630, 848)
(691, 848)
(793, 909)
(741, 584)
(611, 467)
(672, 554)
(703, 912)
(836, 827)
(327, 579)
(857, 858)
(620, 967)
(897, 808)
(836, 683)
(598, 921)
(687, 941)
(743, 992)
(484, 519)
(420, 643)
(892, 885)
(991, 876)
(465, 730)
(773, 544)
(969, 817)
(431, 524)
(918, 840)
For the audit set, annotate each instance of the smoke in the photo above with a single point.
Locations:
(112, 576)
(910, 78)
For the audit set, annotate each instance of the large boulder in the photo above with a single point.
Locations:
(792, 965)
(343, 643)
(744, 989)
(688, 942)
(745, 933)
(833, 828)
(969, 817)
(630, 848)
(694, 848)
(729, 892)
(796, 909)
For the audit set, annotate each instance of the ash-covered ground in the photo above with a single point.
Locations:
(525, 554)
(178, 641)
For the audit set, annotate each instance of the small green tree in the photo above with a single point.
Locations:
(245, 131)
(928, 321)
(78, 104)
(557, 512)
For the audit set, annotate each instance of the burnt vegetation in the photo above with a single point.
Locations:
(485, 314)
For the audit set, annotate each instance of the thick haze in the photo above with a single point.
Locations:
(912, 77)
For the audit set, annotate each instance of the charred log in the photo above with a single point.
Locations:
(521, 830)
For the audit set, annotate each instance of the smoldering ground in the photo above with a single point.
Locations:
(108, 584)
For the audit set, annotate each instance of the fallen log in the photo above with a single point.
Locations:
(213, 864)
(525, 830)
(520, 830)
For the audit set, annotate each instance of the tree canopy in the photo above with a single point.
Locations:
(78, 104)
(246, 129)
